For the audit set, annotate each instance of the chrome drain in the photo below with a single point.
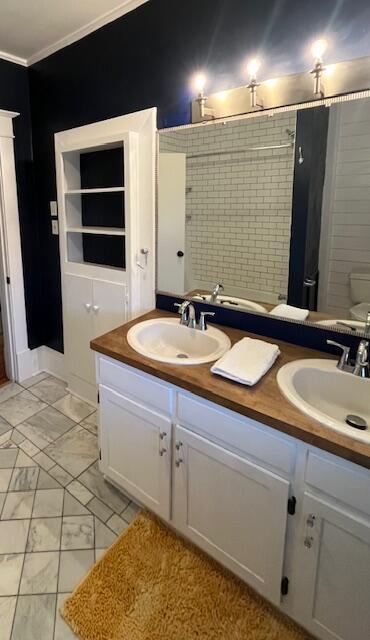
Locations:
(356, 421)
(182, 355)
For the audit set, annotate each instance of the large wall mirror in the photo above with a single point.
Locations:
(275, 208)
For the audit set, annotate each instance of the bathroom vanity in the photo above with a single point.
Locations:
(275, 497)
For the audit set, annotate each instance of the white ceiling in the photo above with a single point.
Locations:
(32, 29)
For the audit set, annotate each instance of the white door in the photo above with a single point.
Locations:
(233, 509)
(171, 222)
(78, 325)
(136, 450)
(333, 576)
(109, 308)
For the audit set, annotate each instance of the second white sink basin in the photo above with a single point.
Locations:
(166, 340)
(326, 394)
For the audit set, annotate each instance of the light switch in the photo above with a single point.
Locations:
(55, 227)
(53, 207)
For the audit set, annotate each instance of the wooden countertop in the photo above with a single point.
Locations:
(263, 402)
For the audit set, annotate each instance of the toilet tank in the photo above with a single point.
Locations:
(360, 285)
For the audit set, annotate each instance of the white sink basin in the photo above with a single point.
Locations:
(167, 340)
(233, 302)
(326, 394)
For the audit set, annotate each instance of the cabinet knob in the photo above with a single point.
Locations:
(96, 308)
(310, 520)
(162, 451)
(87, 306)
(308, 542)
(178, 462)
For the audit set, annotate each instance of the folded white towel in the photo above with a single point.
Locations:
(287, 311)
(247, 361)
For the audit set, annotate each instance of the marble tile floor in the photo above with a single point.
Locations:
(57, 514)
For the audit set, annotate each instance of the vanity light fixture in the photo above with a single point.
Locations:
(199, 82)
(318, 49)
(253, 68)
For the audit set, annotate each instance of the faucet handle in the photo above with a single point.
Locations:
(203, 321)
(343, 361)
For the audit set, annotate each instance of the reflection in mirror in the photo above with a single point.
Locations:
(274, 209)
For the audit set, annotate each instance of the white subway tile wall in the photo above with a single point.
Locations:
(238, 205)
(346, 209)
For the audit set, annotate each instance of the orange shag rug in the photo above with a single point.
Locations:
(151, 585)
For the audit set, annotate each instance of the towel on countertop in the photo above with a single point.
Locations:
(247, 361)
(287, 311)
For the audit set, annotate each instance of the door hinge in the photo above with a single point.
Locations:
(98, 397)
(99, 454)
(7, 280)
(292, 503)
(284, 586)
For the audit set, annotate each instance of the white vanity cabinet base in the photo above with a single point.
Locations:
(136, 450)
(223, 481)
(232, 509)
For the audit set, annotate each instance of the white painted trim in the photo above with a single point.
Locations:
(110, 16)
(50, 361)
(19, 358)
(9, 57)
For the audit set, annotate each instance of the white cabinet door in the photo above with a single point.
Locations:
(233, 509)
(136, 450)
(109, 306)
(333, 576)
(77, 314)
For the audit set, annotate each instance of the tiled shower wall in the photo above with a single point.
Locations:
(238, 205)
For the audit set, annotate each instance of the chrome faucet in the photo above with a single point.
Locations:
(216, 290)
(192, 318)
(367, 324)
(183, 310)
(361, 367)
(188, 316)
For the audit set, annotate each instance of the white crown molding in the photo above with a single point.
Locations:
(110, 16)
(9, 57)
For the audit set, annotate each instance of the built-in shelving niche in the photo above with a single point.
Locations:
(95, 205)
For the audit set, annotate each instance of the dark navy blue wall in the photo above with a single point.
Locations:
(146, 58)
(14, 96)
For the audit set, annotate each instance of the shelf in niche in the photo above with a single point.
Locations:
(79, 192)
(101, 231)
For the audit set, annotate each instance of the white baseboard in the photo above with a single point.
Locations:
(27, 364)
(50, 361)
(82, 389)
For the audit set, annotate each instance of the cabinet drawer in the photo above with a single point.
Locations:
(137, 385)
(239, 432)
(343, 481)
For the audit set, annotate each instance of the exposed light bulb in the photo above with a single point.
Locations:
(253, 67)
(199, 82)
(318, 48)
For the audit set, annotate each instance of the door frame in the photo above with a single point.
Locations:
(18, 356)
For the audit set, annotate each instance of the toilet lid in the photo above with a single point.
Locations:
(360, 311)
